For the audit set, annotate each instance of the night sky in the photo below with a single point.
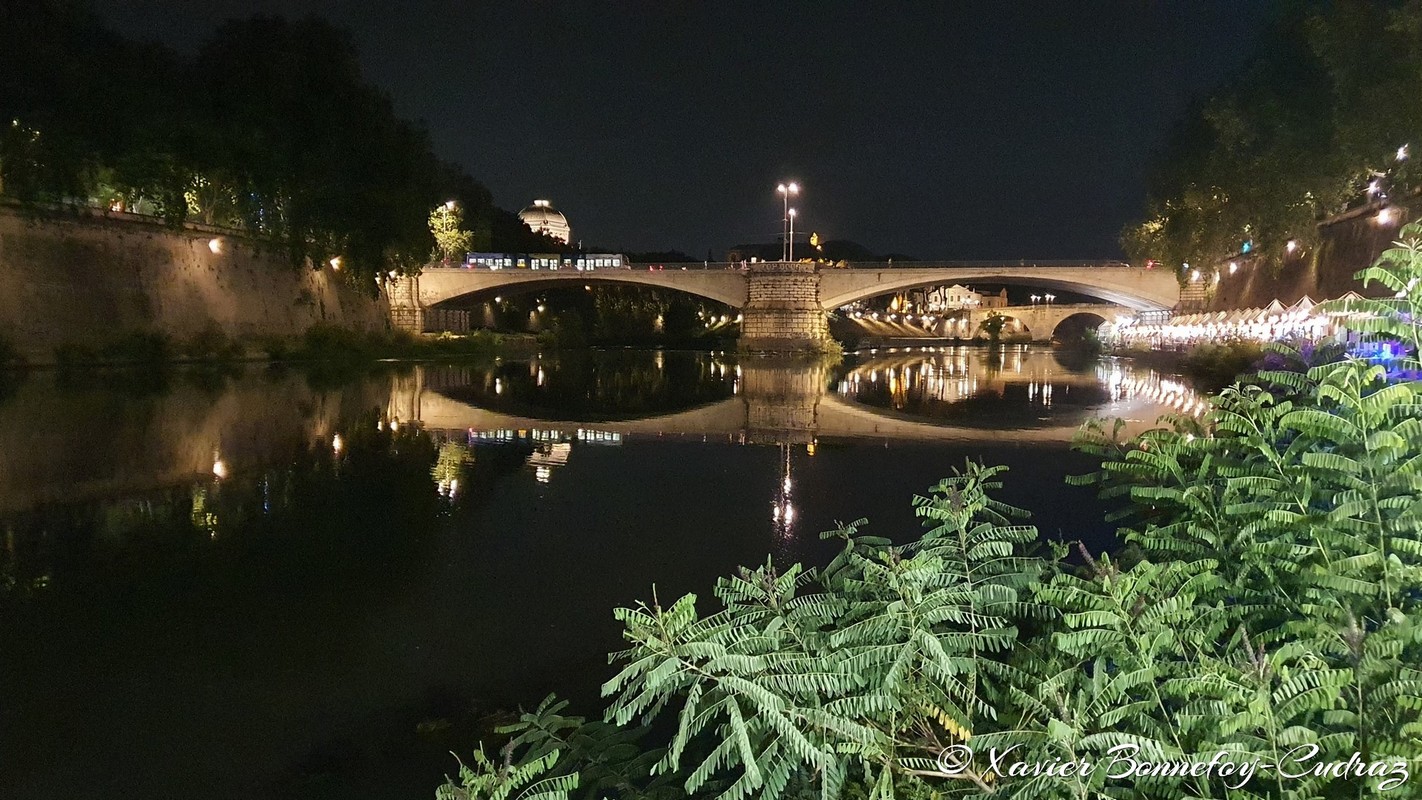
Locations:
(952, 132)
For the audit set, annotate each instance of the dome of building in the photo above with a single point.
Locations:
(543, 218)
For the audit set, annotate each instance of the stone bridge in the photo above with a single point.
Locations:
(1039, 323)
(784, 304)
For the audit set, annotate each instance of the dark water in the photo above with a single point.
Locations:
(277, 586)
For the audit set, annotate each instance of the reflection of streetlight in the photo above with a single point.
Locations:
(785, 190)
(783, 512)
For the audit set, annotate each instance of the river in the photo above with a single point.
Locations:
(287, 584)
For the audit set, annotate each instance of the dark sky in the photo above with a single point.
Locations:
(953, 130)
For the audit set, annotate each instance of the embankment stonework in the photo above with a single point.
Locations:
(1349, 243)
(89, 281)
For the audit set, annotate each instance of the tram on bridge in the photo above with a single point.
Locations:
(550, 261)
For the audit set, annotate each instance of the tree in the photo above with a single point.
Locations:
(270, 127)
(1315, 123)
(446, 221)
(992, 325)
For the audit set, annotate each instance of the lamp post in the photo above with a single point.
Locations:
(791, 214)
(445, 210)
(785, 190)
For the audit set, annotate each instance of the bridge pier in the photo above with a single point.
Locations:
(407, 313)
(783, 313)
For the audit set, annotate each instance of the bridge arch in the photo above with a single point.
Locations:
(440, 286)
(1137, 289)
(1091, 320)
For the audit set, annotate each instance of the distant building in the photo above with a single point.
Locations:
(542, 217)
(953, 298)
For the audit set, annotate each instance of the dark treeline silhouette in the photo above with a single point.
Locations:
(269, 127)
(1321, 119)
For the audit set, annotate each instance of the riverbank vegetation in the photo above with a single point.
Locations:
(1211, 366)
(1318, 122)
(1262, 638)
(320, 343)
(269, 128)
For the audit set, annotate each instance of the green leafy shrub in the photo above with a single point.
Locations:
(1219, 363)
(9, 354)
(137, 347)
(331, 343)
(212, 344)
(70, 354)
(276, 348)
(1091, 342)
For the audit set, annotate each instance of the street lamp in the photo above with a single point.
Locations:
(445, 209)
(791, 214)
(1050, 298)
(1035, 298)
(785, 190)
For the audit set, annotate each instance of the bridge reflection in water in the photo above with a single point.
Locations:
(965, 395)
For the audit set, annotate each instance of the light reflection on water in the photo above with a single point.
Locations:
(928, 383)
(462, 530)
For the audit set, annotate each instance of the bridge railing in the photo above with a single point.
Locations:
(1027, 262)
(907, 264)
(736, 265)
(653, 267)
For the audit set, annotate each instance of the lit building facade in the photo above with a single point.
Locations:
(957, 297)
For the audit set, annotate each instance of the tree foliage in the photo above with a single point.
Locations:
(993, 324)
(1311, 126)
(271, 128)
(446, 226)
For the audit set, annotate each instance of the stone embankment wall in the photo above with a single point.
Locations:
(90, 280)
(1351, 242)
